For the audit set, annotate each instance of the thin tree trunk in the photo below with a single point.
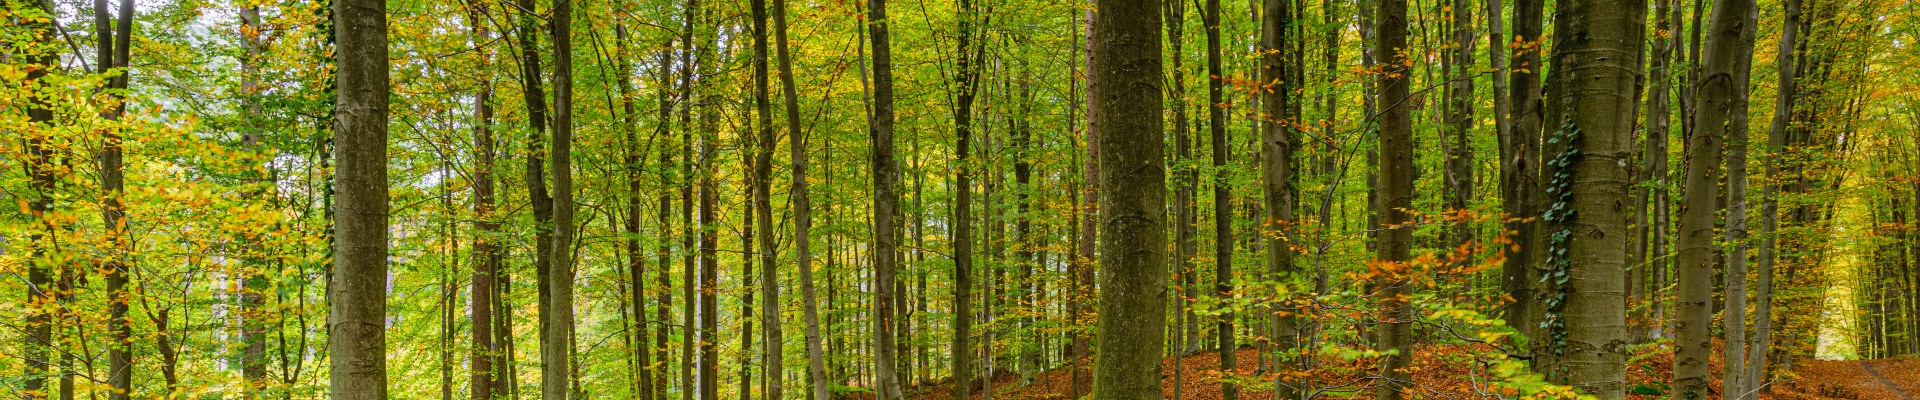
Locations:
(481, 361)
(117, 265)
(636, 271)
(1279, 138)
(1395, 241)
(1222, 193)
(1784, 93)
(1460, 160)
(1718, 91)
(967, 82)
(557, 349)
(771, 350)
(802, 206)
(885, 204)
(1658, 117)
(1126, 110)
(357, 330)
(1521, 168)
(1734, 327)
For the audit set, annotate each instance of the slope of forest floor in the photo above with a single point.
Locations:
(1887, 379)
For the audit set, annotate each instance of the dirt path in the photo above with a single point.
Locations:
(1873, 368)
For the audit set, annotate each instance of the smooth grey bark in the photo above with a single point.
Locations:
(357, 334)
(1734, 327)
(1597, 48)
(1658, 130)
(1718, 91)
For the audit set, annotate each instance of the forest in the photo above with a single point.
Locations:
(990, 199)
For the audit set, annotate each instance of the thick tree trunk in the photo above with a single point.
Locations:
(1718, 92)
(1395, 242)
(357, 327)
(1595, 57)
(1126, 110)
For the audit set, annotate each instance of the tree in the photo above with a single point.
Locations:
(1520, 166)
(763, 208)
(556, 348)
(885, 203)
(1394, 246)
(1279, 137)
(1658, 117)
(485, 256)
(802, 205)
(357, 333)
(966, 82)
(1718, 90)
(118, 265)
(1770, 207)
(1126, 110)
(1222, 192)
(1597, 49)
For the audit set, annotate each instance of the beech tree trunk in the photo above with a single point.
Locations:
(885, 205)
(117, 265)
(1279, 138)
(1126, 110)
(1394, 245)
(357, 330)
(485, 256)
(1718, 92)
(1520, 170)
(1784, 62)
(1222, 192)
(966, 80)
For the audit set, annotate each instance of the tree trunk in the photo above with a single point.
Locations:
(636, 272)
(966, 80)
(1596, 54)
(1278, 140)
(117, 264)
(689, 284)
(802, 206)
(357, 330)
(1655, 156)
(771, 350)
(1395, 241)
(1784, 93)
(1087, 210)
(1718, 92)
(1460, 177)
(1734, 318)
(1521, 169)
(556, 350)
(885, 204)
(41, 167)
(485, 258)
(1126, 110)
(1222, 192)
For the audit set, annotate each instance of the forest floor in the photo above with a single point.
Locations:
(1445, 374)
